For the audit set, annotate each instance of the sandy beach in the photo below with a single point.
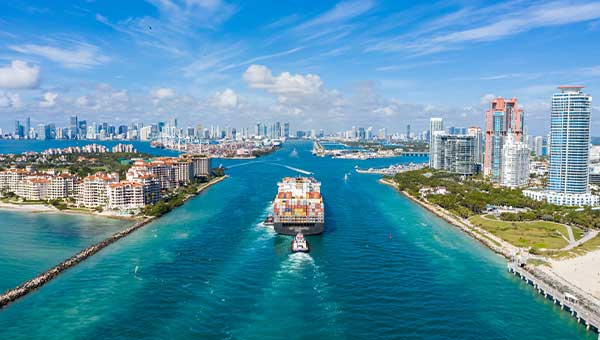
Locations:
(582, 271)
(28, 207)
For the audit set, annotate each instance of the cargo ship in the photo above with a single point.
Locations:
(298, 207)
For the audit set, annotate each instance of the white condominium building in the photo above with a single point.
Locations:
(93, 192)
(34, 188)
(514, 170)
(125, 195)
(10, 178)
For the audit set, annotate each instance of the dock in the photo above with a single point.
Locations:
(320, 151)
(580, 308)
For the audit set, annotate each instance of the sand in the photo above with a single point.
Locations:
(582, 271)
(27, 207)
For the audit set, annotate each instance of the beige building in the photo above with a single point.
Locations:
(93, 189)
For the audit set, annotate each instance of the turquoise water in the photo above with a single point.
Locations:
(33, 242)
(210, 270)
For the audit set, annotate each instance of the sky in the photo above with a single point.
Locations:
(316, 64)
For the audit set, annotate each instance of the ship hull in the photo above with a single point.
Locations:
(295, 228)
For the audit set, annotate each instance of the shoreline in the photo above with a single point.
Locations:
(39, 280)
(545, 274)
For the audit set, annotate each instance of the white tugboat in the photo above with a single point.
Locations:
(299, 244)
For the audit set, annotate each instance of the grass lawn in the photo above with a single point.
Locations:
(536, 234)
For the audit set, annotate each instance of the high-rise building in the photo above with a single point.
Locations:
(515, 163)
(27, 128)
(504, 116)
(453, 153)
(435, 125)
(74, 126)
(286, 130)
(538, 146)
(18, 129)
(568, 181)
(43, 132)
(476, 132)
(408, 131)
(570, 131)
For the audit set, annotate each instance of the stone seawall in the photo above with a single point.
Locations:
(25, 288)
(29, 286)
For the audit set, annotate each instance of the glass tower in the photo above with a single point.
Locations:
(570, 135)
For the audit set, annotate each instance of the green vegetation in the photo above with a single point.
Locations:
(174, 199)
(470, 196)
(78, 164)
(535, 234)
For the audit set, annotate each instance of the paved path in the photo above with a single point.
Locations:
(588, 236)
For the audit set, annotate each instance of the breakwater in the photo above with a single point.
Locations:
(31, 285)
(27, 287)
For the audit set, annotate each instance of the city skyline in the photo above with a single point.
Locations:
(335, 64)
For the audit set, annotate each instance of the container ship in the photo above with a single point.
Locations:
(298, 207)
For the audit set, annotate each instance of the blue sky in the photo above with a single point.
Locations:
(321, 64)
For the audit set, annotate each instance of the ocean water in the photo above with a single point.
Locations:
(211, 270)
(33, 242)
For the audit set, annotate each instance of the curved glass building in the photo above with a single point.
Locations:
(570, 139)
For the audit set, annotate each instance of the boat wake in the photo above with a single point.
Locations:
(305, 172)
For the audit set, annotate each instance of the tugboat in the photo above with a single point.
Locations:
(299, 244)
(269, 220)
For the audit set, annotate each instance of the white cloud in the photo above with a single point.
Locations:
(343, 11)
(19, 75)
(9, 100)
(226, 99)
(49, 99)
(163, 93)
(486, 99)
(81, 55)
(260, 77)
(440, 37)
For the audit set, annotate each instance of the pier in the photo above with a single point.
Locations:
(320, 151)
(585, 313)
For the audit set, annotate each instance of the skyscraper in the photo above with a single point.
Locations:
(74, 126)
(515, 163)
(570, 131)
(454, 153)
(435, 124)
(18, 129)
(476, 132)
(286, 130)
(503, 116)
(27, 128)
(569, 150)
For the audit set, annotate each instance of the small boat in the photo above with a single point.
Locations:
(346, 178)
(299, 244)
(269, 220)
